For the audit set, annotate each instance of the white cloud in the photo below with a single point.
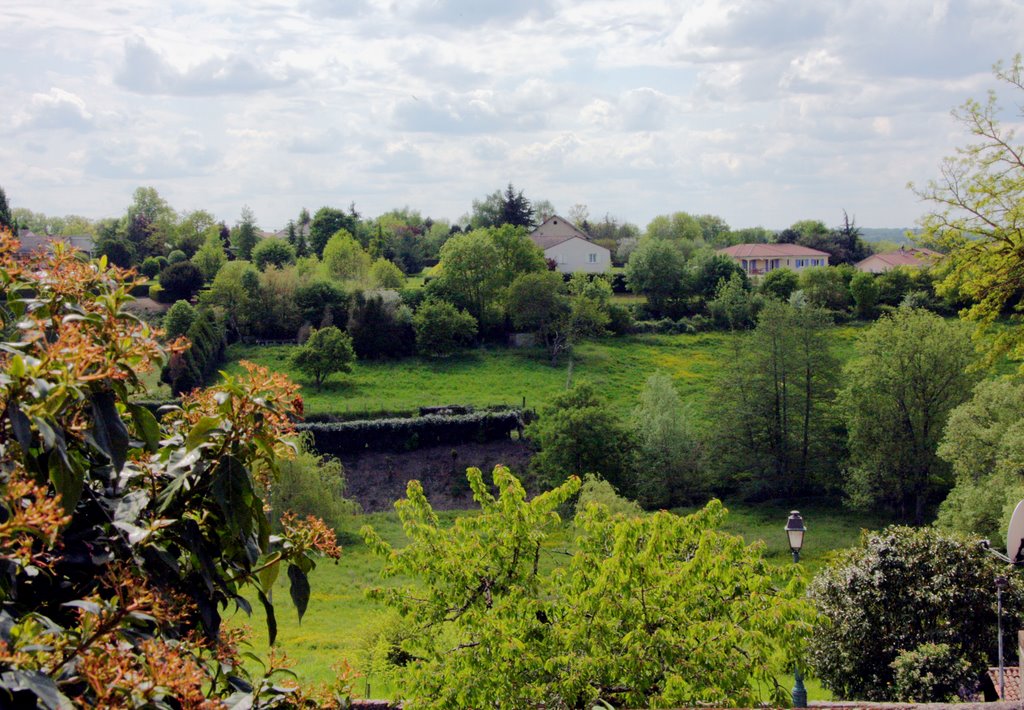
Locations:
(145, 71)
(55, 110)
(763, 111)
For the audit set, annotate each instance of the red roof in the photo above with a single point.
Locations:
(761, 251)
(913, 256)
(1011, 679)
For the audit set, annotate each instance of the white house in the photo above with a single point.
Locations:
(570, 248)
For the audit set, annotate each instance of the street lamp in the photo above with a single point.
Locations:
(795, 532)
(1002, 583)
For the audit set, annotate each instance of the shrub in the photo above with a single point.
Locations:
(179, 319)
(380, 331)
(273, 252)
(176, 257)
(310, 484)
(579, 433)
(150, 267)
(385, 274)
(442, 329)
(900, 588)
(864, 290)
(780, 283)
(274, 312)
(412, 297)
(323, 303)
(932, 672)
(156, 292)
(181, 280)
(620, 319)
(597, 491)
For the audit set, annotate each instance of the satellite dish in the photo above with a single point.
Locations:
(1015, 535)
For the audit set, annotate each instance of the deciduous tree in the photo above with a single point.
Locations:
(984, 443)
(669, 456)
(327, 351)
(578, 432)
(912, 369)
(774, 433)
(652, 611)
(977, 217)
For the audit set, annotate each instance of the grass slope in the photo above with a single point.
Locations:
(618, 366)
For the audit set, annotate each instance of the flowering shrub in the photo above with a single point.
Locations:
(123, 539)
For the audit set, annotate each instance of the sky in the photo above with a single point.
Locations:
(763, 112)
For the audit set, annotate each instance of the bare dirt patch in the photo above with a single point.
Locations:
(377, 479)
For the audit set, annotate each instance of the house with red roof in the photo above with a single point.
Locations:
(910, 257)
(759, 259)
(570, 248)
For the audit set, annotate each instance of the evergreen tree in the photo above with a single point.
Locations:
(516, 209)
(244, 238)
(6, 222)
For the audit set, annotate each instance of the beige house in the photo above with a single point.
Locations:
(910, 257)
(30, 242)
(759, 259)
(570, 248)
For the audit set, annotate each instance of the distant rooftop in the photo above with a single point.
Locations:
(761, 251)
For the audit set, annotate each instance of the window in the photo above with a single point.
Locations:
(745, 265)
(592, 258)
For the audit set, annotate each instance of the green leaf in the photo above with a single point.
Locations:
(21, 426)
(299, 589)
(271, 618)
(269, 574)
(108, 431)
(67, 481)
(232, 488)
(48, 696)
(200, 432)
(146, 425)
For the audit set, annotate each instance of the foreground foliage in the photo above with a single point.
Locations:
(886, 605)
(659, 610)
(123, 539)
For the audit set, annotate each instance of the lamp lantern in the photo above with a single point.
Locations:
(795, 531)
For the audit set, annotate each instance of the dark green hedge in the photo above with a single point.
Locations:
(339, 438)
(189, 370)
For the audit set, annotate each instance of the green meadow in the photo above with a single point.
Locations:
(492, 375)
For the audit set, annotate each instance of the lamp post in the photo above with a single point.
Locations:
(1001, 584)
(795, 532)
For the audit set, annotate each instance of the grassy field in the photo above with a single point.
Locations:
(340, 619)
(618, 366)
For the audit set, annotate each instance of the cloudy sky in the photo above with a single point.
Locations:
(761, 111)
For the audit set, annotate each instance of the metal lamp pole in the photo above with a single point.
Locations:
(1001, 584)
(795, 532)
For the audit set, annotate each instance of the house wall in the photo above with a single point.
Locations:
(556, 227)
(874, 265)
(761, 265)
(575, 255)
